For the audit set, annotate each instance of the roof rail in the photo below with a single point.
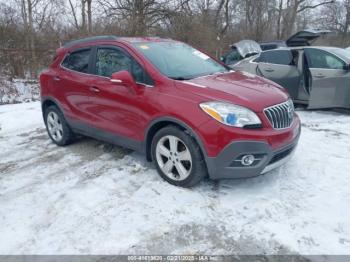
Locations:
(89, 39)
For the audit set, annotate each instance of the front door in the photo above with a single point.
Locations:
(280, 66)
(330, 78)
(118, 109)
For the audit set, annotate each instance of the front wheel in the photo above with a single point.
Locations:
(177, 157)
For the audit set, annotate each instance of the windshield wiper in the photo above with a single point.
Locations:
(181, 78)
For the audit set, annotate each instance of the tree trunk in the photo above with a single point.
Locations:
(279, 19)
(292, 16)
(89, 15)
(34, 62)
(83, 16)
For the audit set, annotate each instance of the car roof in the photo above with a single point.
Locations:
(325, 48)
(103, 38)
(334, 50)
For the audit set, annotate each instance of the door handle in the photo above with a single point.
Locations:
(269, 70)
(56, 78)
(94, 89)
(320, 76)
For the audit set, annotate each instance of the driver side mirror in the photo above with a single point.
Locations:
(124, 78)
(347, 67)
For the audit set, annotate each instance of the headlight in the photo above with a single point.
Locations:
(230, 114)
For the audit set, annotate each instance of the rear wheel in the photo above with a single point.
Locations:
(177, 157)
(57, 127)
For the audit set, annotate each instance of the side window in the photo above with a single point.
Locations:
(78, 61)
(279, 57)
(322, 59)
(109, 61)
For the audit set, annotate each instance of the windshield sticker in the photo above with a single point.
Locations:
(145, 47)
(201, 55)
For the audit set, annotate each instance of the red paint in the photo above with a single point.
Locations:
(128, 111)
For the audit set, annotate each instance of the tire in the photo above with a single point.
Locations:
(57, 127)
(184, 154)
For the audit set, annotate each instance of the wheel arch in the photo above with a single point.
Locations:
(50, 101)
(163, 122)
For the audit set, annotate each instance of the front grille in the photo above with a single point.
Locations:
(281, 115)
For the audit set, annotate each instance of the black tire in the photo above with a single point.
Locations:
(198, 170)
(67, 134)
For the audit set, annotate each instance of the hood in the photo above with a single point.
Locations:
(247, 47)
(240, 88)
(306, 37)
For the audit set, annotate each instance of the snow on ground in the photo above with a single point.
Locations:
(18, 90)
(92, 197)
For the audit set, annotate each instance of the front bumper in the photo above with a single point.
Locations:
(227, 163)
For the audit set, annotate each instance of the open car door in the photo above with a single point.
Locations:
(306, 37)
(280, 66)
(330, 78)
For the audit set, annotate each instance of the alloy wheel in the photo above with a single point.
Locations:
(54, 126)
(174, 158)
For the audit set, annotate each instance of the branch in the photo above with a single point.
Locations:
(314, 6)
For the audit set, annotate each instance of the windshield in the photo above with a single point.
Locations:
(179, 61)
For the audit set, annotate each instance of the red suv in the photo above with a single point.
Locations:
(184, 110)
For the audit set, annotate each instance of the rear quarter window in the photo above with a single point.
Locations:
(78, 61)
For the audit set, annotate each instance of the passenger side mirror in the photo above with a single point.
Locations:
(124, 78)
(347, 67)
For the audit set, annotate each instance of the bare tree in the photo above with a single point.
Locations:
(33, 29)
(27, 7)
(89, 15)
(336, 17)
(289, 10)
(141, 16)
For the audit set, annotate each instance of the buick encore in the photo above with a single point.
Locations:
(188, 113)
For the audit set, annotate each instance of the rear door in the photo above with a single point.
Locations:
(330, 78)
(280, 66)
(73, 82)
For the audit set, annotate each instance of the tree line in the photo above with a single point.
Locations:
(31, 30)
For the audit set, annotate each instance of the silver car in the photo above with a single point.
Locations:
(316, 76)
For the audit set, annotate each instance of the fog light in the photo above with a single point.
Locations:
(247, 160)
